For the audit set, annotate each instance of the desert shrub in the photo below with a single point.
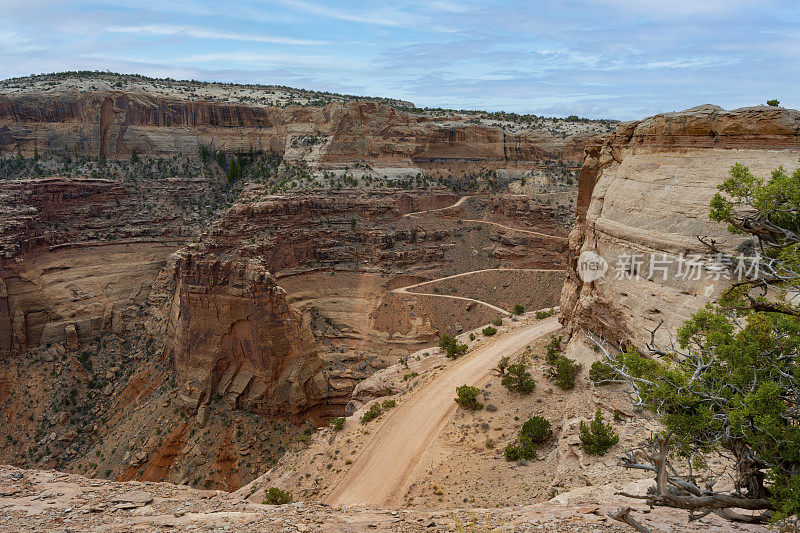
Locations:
(452, 348)
(553, 349)
(512, 452)
(337, 424)
(534, 432)
(502, 365)
(472, 336)
(519, 309)
(488, 331)
(276, 496)
(565, 371)
(602, 374)
(374, 412)
(388, 404)
(518, 379)
(467, 396)
(774, 103)
(597, 437)
(497, 321)
(541, 315)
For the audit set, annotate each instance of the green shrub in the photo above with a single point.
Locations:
(518, 379)
(276, 496)
(541, 315)
(467, 397)
(602, 374)
(565, 371)
(553, 349)
(774, 103)
(388, 404)
(472, 336)
(597, 437)
(497, 321)
(534, 432)
(337, 424)
(374, 412)
(488, 331)
(502, 365)
(512, 452)
(519, 309)
(452, 348)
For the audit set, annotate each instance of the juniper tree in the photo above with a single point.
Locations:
(729, 384)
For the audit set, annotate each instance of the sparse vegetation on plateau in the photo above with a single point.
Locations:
(376, 410)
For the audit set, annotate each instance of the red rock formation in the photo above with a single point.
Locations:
(231, 335)
(77, 251)
(112, 123)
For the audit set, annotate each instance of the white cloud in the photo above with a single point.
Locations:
(202, 33)
(291, 60)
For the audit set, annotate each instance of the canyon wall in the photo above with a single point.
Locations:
(231, 335)
(113, 123)
(643, 202)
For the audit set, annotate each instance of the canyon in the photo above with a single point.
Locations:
(162, 319)
(195, 279)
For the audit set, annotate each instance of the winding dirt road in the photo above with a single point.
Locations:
(461, 200)
(382, 471)
(405, 290)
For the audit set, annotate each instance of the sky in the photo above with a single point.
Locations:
(621, 59)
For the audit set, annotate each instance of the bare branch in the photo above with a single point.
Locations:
(623, 514)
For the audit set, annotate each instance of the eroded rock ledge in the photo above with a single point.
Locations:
(232, 336)
(645, 191)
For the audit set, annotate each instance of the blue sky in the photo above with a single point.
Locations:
(621, 59)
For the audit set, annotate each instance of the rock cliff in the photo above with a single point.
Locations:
(643, 201)
(113, 123)
(231, 335)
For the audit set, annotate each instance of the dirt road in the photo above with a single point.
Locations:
(407, 288)
(381, 472)
(497, 224)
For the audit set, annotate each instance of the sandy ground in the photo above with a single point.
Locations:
(385, 465)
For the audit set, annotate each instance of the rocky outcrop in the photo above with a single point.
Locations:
(643, 195)
(80, 251)
(113, 123)
(231, 336)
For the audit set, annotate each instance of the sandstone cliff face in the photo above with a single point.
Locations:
(112, 123)
(231, 335)
(79, 252)
(644, 192)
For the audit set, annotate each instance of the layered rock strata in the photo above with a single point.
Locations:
(113, 123)
(231, 336)
(643, 202)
